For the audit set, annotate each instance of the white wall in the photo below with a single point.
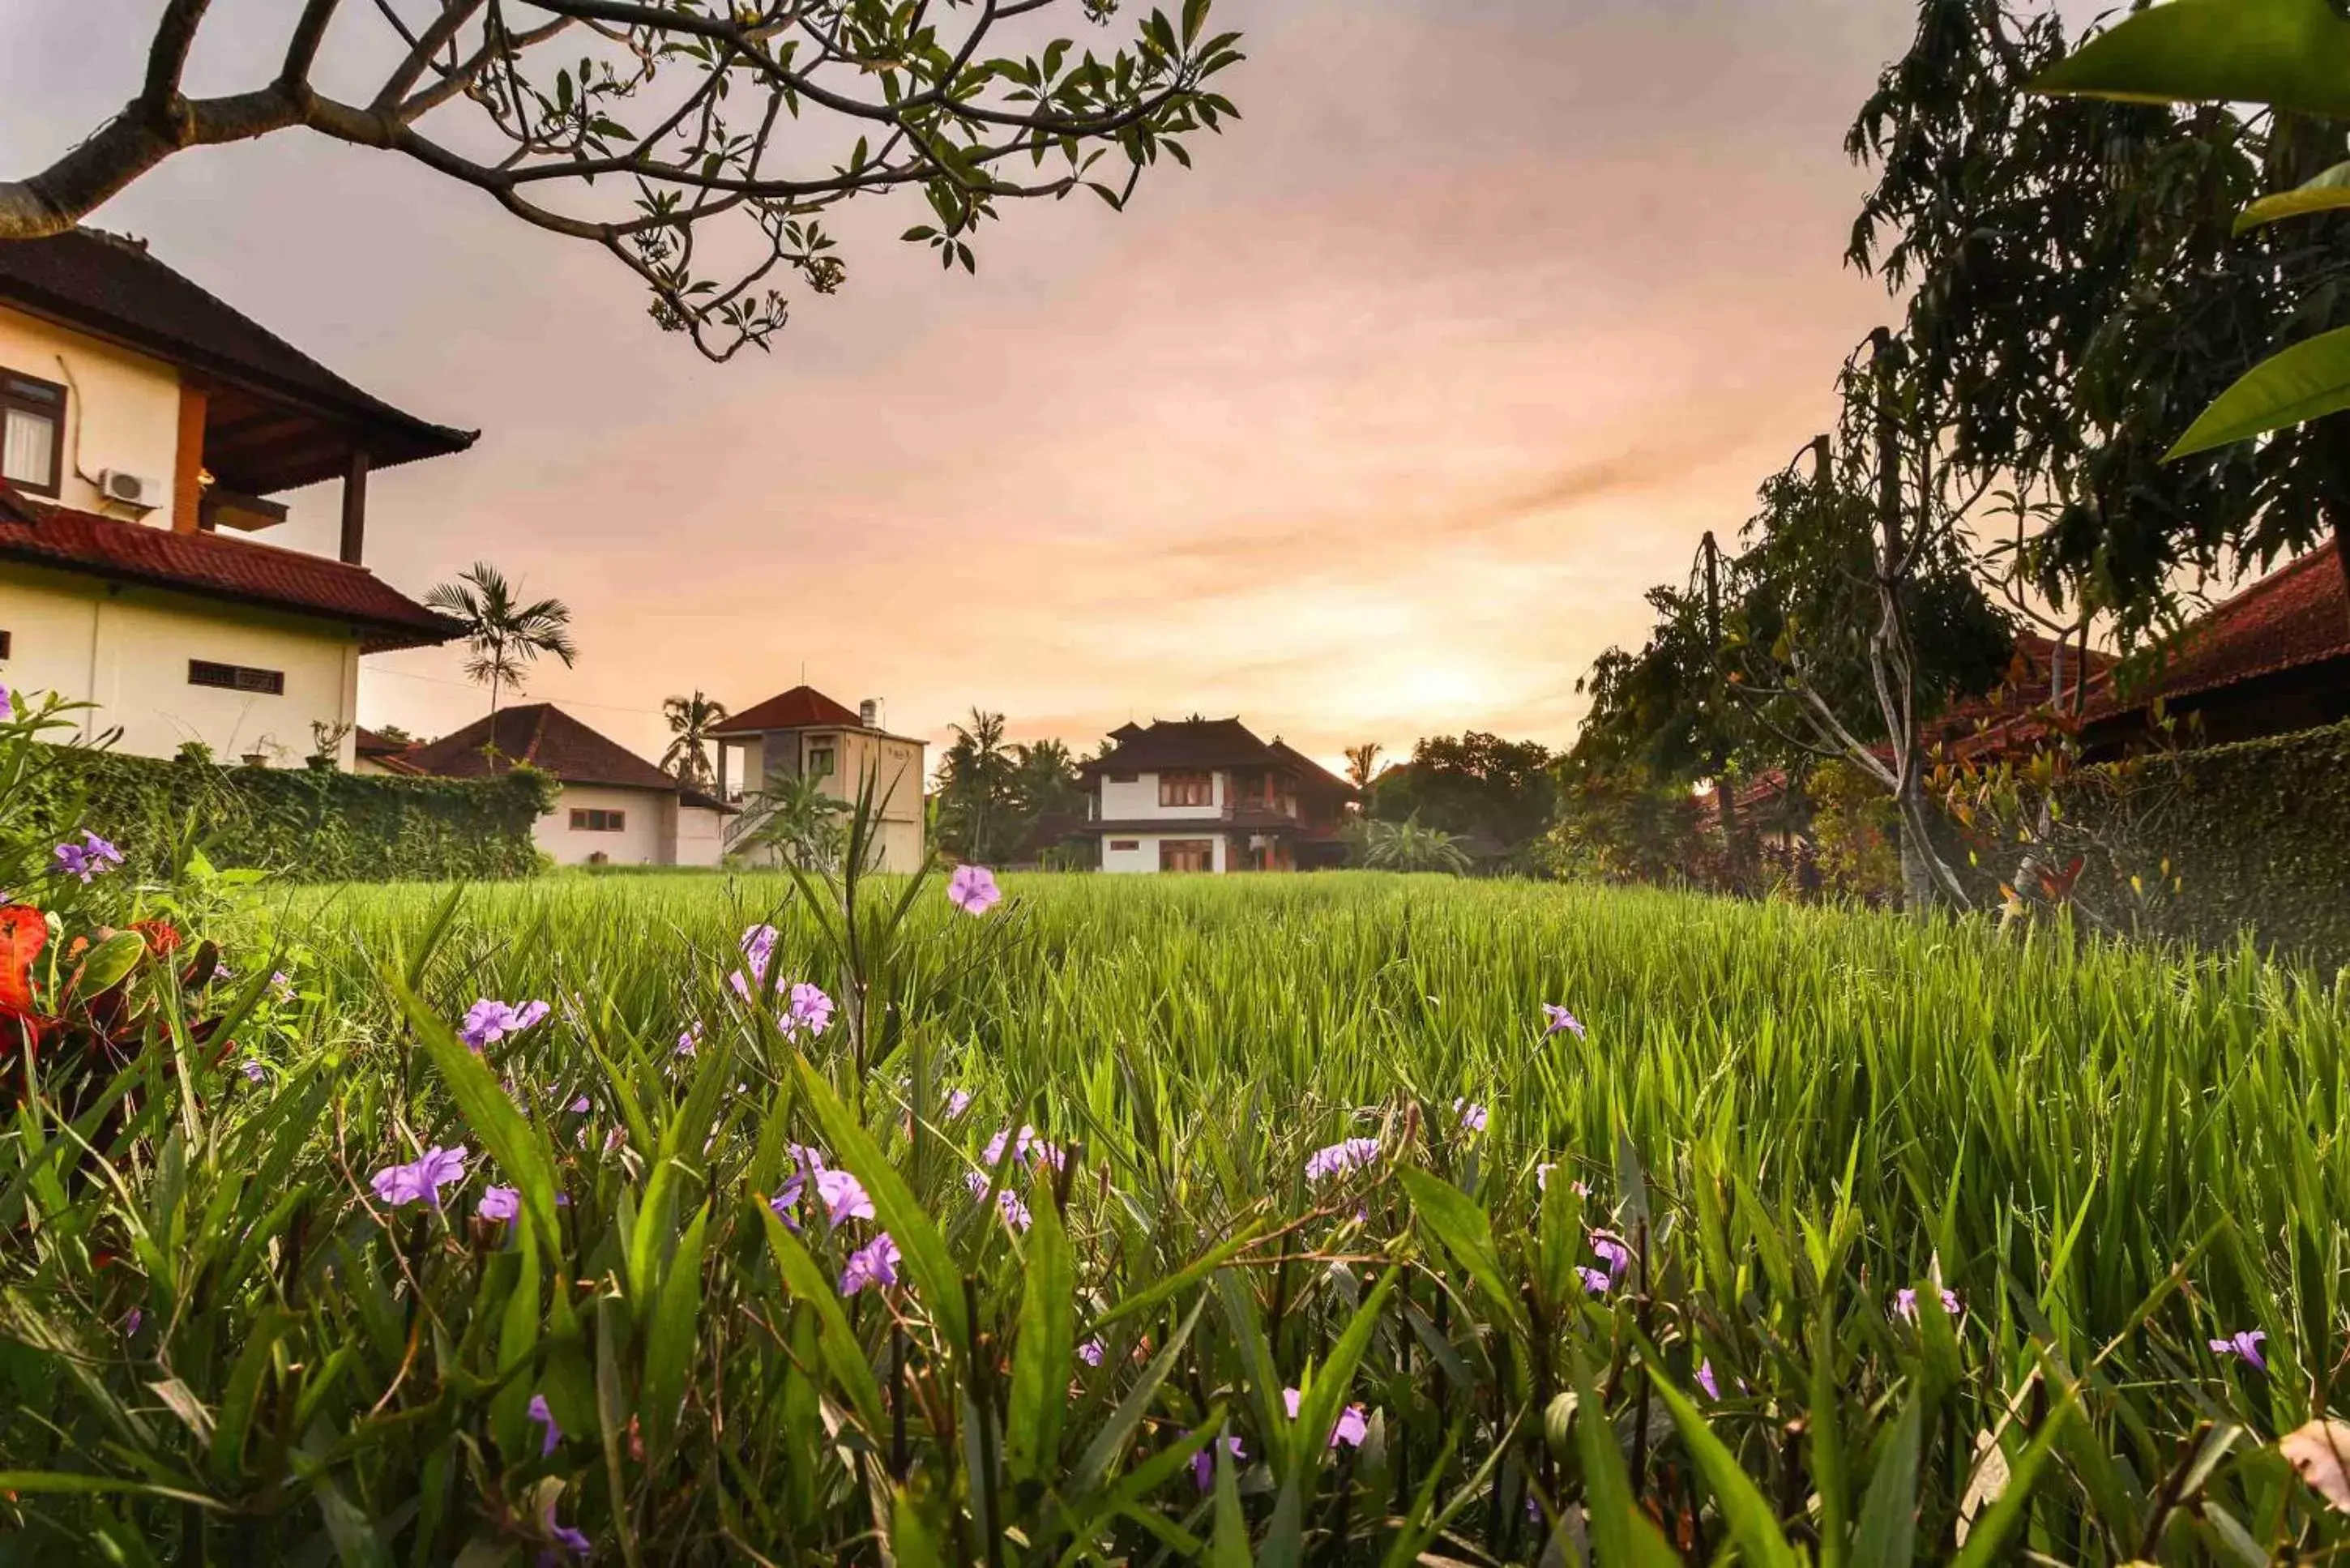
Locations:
(123, 409)
(700, 836)
(1144, 856)
(639, 843)
(1139, 801)
(126, 648)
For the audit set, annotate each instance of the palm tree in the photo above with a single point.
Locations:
(975, 788)
(800, 822)
(503, 636)
(1362, 761)
(691, 720)
(1408, 847)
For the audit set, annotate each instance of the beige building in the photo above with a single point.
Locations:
(803, 733)
(616, 808)
(143, 426)
(1206, 795)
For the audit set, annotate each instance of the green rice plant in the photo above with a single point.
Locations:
(1344, 1219)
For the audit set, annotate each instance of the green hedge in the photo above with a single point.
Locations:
(2256, 834)
(309, 824)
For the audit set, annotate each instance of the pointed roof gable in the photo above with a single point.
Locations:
(1180, 744)
(551, 739)
(2295, 616)
(801, 708)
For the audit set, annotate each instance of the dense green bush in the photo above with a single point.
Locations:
(311, 825)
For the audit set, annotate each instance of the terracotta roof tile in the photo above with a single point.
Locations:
(801, 708)
(2297, 614)
(549, 739)
(1183, 743)
(213, 566)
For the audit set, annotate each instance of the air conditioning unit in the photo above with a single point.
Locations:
(131, 490)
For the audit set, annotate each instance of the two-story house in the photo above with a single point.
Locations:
(1206, 795)
(803, 734)
(144, 425)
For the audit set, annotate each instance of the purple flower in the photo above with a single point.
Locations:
(7, 702)
(758, 948)
(2245, 1346)
(571, 1540)
(1469, 1115)
(94, 856)
(958, 1103)
(1705, 1380)
(690, 1041)
(1203, 1463)
(874, 1263)
(130, 1321)
(281, 985)
(544, 1416)
(843, 1197)
(1016, 1213)
(422, 1179)
(1595, 1280)
(1028, 1147)
(254, 1072)
(499, 1203)
(488, 1021)
(581, 1106)
(1611, 1253)
(1556, 1018)
(811, 1010)
(972, 889)
(1340, 1157)
(1090, 1353)
(1351, 1429)
(1905, 1304)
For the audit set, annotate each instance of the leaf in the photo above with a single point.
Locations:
(676, 1325)
(68, 1483)
(23, 933)
(1049, 1333)
(1111, 1440)
(2320, 1452)
(2292, 54)
(2303, 382)
(1992, 1529)
(2327, 193)
(1888, 1515)
(1627, 1538)
(894, 1206)
(1228, 1548)
(519, 1148)
(1466, 1233)
(109, 961)
(1744, 1508)
(842, 1353)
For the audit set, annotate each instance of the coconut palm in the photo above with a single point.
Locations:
(799, 822)
(1362, 761)
(691, 720)
(503, 637)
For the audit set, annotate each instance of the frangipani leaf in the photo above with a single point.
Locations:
(2292, 54)
(2303, 382)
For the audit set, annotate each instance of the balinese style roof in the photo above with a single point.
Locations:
(383, 751)
(2297, 614)
(801, 708)
(1313, 774)
(551, 739)
(213, 566)
(1183, 744)
(110, 287)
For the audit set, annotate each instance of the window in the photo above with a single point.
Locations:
(1187, 854)
(1126, 844)
(593, 819)
(1126, 778)
(7, 644)
(237, 678)
(1187, 789)
(819, 763)
(32, 432)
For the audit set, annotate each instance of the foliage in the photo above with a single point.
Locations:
(691, 720)
(1474, 785)
(1855, 830)
(1407, 846)
(304, 823)
(504, 636)
(999, 802)
(1783, 1120)
(1620, 824)
(796, 817)
(700, 143)
(1363, 764)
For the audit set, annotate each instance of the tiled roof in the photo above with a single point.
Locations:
(2297, 614)
(1312, 773)
(1183, 744)
(383, 751)
(549, 739)
(112, 286)
(801, 708)
(213, 566)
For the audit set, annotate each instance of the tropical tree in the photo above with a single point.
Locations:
(1363, 764)
(692, 721)
(634, 126)
(1044, 787)
(802, 823)
(504, 636)
(977, 809)
(1407, 846)
(1475, 783)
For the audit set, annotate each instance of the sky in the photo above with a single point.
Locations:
(1376, 425)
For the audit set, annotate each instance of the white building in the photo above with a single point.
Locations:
(803, 733)
(1206, 795)
(140, 417)
(616, 808)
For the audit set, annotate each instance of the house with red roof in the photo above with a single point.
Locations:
(802, 734)
(614, 809)
(1207, 795)
(145, 426)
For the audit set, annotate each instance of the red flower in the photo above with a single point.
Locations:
(162, 936)
(24, 931)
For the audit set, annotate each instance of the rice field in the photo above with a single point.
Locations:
(1357, 1217)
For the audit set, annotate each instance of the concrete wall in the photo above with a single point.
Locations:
(1139, 801)
(127, 649)
(122, 410)
(640, 841)
(1144, 856)
(700, 836)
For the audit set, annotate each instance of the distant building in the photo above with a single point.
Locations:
(376, 754)
(616, 807)
(803, 733)
(143, 423)
(1206, 795)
